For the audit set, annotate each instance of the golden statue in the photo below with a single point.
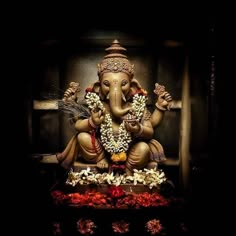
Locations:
(115, 125)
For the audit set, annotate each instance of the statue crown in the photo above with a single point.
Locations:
(115, 61)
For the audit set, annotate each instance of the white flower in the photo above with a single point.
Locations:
(109, 178)
(151, 178)
(86, 172)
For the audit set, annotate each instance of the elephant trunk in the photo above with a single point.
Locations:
(116, 103)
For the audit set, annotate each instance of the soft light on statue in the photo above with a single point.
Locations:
(118, 128)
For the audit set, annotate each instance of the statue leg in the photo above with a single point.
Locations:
(138, 157)
(92, 152)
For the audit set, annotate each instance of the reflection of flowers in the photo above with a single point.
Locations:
(183, 227)
(154, 227)
(56, 228)
(120, 227)
(86, 226)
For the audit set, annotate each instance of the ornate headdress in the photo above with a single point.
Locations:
(115, 61)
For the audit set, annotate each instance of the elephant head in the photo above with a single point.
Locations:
(117, 89)
(116, 84)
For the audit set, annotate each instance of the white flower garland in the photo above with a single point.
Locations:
(107, 136)
(108, 140)
(149, 177)
(138, 105)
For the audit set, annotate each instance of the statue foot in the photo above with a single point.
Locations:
(128, 172)
(152, 165)
(103, 164)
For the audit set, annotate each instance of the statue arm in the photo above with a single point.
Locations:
(84, 125)
(162, 104)
(141, 129)
(94, 121)
(146, 130)
(156, 117)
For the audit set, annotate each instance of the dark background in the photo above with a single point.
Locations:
(195, 30)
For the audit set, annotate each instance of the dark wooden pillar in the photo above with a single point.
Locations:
(213, 106)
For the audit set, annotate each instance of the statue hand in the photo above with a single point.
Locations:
(98, 116)
(71, 93)
(164, 100)
(133, 127)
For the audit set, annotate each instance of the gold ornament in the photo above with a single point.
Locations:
(115, 61)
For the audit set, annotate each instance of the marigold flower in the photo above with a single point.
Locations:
(115, 157)
(122, 156)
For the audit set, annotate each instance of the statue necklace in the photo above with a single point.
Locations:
(121, 144)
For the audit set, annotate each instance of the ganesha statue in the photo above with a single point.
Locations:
(112, 123)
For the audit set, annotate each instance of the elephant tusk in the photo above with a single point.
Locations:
(123, 97)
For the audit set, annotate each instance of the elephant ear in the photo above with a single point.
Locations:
(96, 88)
(135, 86)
